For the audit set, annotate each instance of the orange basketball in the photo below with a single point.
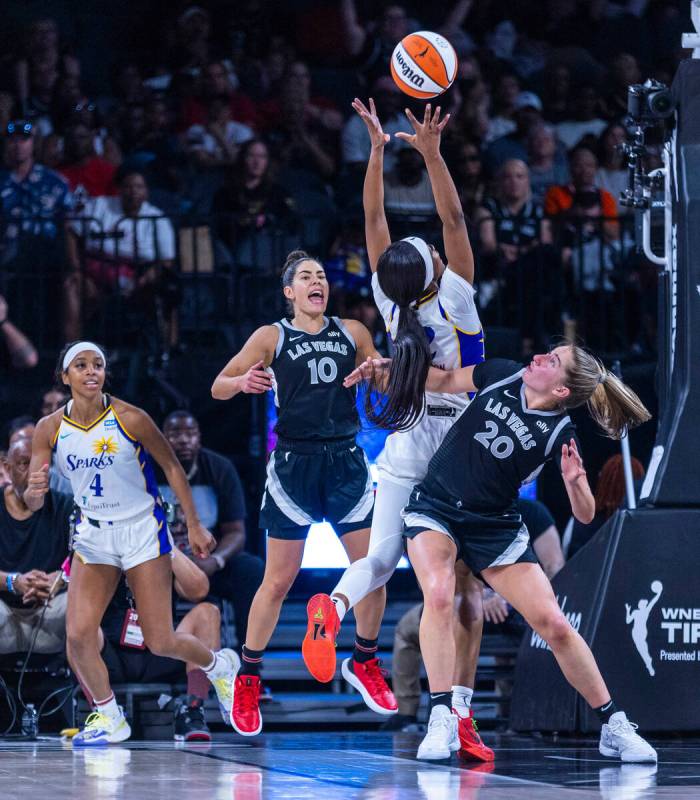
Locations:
(423, 64)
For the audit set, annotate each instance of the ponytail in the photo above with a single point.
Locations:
(611, 403)
(404, 403)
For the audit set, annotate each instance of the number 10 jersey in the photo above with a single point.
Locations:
(308, 372)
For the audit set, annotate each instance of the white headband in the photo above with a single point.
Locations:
(426, 255)
(81, 347)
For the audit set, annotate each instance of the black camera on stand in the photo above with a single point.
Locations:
(647, 104)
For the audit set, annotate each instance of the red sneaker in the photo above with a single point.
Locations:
(370, 681)
(318, 647)
(471, 748)
(245, 710)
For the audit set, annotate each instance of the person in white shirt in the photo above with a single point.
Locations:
(584, 119)
(217, 143)
(122, 245)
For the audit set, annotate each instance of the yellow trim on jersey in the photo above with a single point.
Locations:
(80, 427)
(426, 298)
(122, 426)
(55, 436)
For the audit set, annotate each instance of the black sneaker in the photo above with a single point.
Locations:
(189, 721)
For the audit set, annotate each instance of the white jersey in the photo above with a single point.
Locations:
(451, 322)
(110, 472)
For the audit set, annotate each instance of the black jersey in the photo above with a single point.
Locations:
(308, 372)
(497, 444)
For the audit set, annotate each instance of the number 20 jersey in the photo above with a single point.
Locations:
(308, 372)
(497, 444)
(110, 472)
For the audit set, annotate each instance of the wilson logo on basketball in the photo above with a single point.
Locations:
(407, 72)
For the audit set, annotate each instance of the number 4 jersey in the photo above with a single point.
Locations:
(110, 472)
(497, 444)
(308, 372)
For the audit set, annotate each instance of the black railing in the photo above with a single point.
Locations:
(148, 281)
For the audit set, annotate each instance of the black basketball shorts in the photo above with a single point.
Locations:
(311, 482)
(483, 540)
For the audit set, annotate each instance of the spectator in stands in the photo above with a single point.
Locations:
(131, 129)
(545, 168)
(36, 195)
(406, 656)
(234, 574)
(517, 270)
(464, 159)
(250, 199)
(527, 115)
(583, 166)
(33, 545)
(610, 495)
(584, 119)
(51, 400)
(217, 143)
(21, 427)
(87, 174)
(128, 661)
(407, 189)
(612, 174)
(557, 85)
(193, 47)
(16, 350)
(355, 139)
(470, 112)
(216, 81)
(505, 95)
(129, 248)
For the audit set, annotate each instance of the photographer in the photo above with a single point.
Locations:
(33, 545)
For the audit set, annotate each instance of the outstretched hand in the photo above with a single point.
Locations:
(371, 119)
(571, 463)
(426, 138)
(370, 369)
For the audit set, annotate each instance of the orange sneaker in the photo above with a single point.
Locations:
(318, 647)
(471, 748)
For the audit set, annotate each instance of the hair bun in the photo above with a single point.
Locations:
(293, 257)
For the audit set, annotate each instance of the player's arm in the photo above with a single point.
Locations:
(426, 140)
(191, 583)
(245, 372)
(376, 226)
(363, 341)
(142, 428)
(42, 446)
(451, 381)
(576, 483)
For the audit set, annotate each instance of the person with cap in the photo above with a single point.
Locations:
(106, 448)
(430, 312)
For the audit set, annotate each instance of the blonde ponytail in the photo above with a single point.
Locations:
(611, 403)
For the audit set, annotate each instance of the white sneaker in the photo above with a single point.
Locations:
(619, 739)
(223, 684)
(442, 738)
(100, 729)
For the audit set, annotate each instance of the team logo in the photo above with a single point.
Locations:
(105, 446)
(638, 619)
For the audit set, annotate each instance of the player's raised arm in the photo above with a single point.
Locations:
(245, 372)
(376, 227)
(426, 140)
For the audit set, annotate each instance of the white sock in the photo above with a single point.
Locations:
(109, 707)
(462, 700)
(340, 607)
(217, 668)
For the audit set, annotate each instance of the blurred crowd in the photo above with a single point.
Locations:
(238, 116)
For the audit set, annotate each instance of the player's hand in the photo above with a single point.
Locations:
(38, 484)
(571, 463)
(370, 118)
(495, 609)
(256, 380)
(370, 369)
(201, 541)
(426, 138)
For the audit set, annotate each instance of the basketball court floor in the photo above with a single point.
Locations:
(331, 766)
